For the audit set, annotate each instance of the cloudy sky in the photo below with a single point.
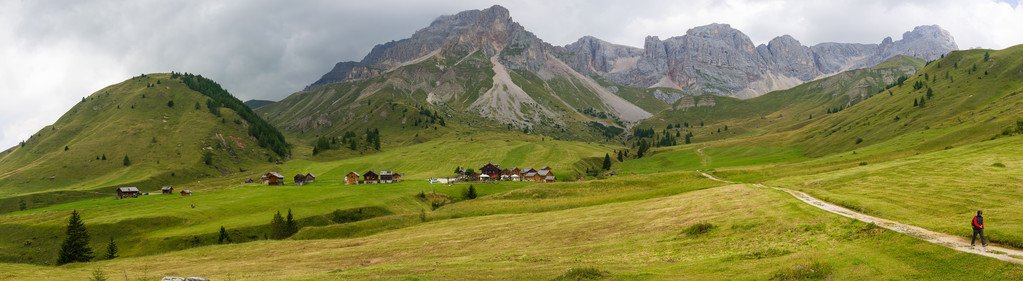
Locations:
(56, 52)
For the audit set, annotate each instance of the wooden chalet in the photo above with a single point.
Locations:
(541, 176)
(491, 169)
(386, 177)
(397, 177)
(299, 179)
(529, 176)
(352, 178)
(167, 190)
(310, 177)
(127, 192)
(506, 174)
(249, 180)
(370, 177)
(545, 168)
(524, 172)
(550, 178)
(186, 192)
(472, 177)
(273, 178)
(264, 180)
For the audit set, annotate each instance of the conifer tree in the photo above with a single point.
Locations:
(76, 246)
(278, 229)
(619, 156)
(607, 162)
(223, 236)
(127, 162)
(111, 250)
(290, 225)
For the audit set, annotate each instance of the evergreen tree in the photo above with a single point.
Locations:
(916, 102)
(207, 157)
(291, 225)
(127, 162)
(170, 104)
(278, 229)
(620, 156)
(65, 148)
(923, 102)
(76, 246)
(104, 157)
(470, 193)
(22, 205)
(223, 236)
(111, 250)
(987, 56)
(607, 162)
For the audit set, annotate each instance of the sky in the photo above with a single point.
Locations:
(56, 52)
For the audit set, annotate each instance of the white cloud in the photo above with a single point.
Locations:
(55, 52)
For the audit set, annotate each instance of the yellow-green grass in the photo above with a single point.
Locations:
(940, 190)
(131, 119)
(755, 233)
(439, 158)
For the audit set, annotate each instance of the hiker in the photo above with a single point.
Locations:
(978, 228)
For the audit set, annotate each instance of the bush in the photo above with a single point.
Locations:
(586, 273)
(859, 140)
(698, 228)
(358, 214)
(811, 270)
(999, 165)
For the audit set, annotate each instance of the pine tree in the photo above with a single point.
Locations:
(470, 193)
(290, 225)
(607, 162)
(223, 236)
(104, 157)
(127, 162)
(278, 230)
(111, 250)
(76, 246)
(619, 156)
(916, 102)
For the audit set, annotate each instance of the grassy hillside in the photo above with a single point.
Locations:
(751, 233)
(163, 128)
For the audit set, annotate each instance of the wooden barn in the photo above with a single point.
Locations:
(529, 176)
(491, 169)
(273, 178)
(370, 177)
(524, 172)
(299, 179)
(352, 178)
(397, 177)
(386, 177)
(167, 190)
(127, 192)
(310, 178)
(186, 192)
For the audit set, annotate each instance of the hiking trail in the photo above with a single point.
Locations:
(951, 241)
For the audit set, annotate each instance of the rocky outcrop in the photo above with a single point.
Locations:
(721, 60)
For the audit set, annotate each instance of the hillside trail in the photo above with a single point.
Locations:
(951, 241)
(703, 157)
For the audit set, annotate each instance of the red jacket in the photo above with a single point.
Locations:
(978, 222)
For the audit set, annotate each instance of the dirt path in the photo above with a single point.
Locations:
(703, 157)
(951, 241)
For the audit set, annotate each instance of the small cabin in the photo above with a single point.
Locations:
(529, 176)
(127, 192)
(249, 180)
(310, 178)
(370, 177)
(186, 192)
(541, 176)
(299, 179)
(397, 177)
(472, 177)
(273, 178)
(550, 179)
(491, 169)
(386, 177)
(264, 180)
(167, 190)
(352, 178)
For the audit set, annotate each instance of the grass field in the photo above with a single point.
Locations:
(753, 234)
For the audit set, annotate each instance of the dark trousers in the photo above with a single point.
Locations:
(981, 232)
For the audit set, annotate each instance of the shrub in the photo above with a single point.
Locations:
(863, 163)
(586, 273)
(698, 228)
(999, 165)
(859, 140)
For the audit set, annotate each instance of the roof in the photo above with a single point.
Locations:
(275, 174)
(166, 188)
(514, 176)
(544, 172)
(353, 173)
(549, 177)
(310, 175)
(370, 173)
(530, 174)
(299, 176)
(186, 191)
(386, 173)
(127, 189)
(545, 168)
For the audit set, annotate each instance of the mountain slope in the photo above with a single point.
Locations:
(476, 69)
(721, 60)
(159, 124)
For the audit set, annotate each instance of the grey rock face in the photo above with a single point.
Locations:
(721, 60)
(667, 97)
